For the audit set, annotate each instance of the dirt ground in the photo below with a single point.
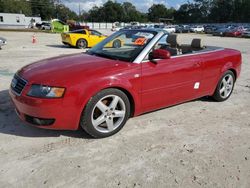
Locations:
(196, 144)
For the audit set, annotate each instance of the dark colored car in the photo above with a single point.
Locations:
(220, 31)
(182, 29)
(210, 29)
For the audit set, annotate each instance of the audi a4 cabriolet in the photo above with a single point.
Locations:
(100, 89)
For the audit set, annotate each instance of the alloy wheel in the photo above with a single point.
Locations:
(226, 86)
(108, 113)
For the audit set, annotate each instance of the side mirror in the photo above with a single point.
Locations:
(160, 54)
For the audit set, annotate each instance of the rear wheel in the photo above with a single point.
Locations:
(106, 113)
(81, 44)
(225, 86)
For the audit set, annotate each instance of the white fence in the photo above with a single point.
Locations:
(97, 25)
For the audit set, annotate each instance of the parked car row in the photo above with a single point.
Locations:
(216, 30)
(168, 28)
(231, 31)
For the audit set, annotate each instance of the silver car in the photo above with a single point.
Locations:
(246, 33)
(3, 42)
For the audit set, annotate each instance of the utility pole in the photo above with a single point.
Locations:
(80, 12)
(79, 9)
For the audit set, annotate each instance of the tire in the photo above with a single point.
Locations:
(117, 44)
(225, 87)
(106, 113)
(81, 44)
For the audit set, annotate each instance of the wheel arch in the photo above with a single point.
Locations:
(127, 93)
(234, 72)
(125, 90)
(229, 66)
(130, 97)
(82, 39)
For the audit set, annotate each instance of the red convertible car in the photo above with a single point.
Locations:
(100, 89)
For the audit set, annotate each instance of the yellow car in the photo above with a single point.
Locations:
(85, 38)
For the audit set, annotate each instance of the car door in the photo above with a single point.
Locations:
(170, 81)
(95, 37)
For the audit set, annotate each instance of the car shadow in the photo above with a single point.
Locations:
(10, 123)
(206, 99)
(58, 46)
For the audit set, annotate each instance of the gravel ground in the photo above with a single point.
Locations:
(196, 144)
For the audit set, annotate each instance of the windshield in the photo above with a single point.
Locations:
(123, 45)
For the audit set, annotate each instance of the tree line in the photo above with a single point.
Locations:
(46, 9)
(197, 11)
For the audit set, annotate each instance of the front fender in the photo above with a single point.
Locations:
(92, 88)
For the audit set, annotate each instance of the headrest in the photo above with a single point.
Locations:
(172, 39)
(197, 43)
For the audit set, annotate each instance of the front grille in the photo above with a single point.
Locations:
(18, 84)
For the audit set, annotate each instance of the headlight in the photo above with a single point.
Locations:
(46, 91)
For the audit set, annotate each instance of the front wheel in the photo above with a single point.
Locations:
(117, 44)
(106, 113)
(225, 86)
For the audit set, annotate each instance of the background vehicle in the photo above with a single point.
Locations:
(210, 29)
(116, 26)
(3, 42)
(246, 33)
(102, 88)
(220, 31)
(182, 29)
(44, 26)
(234, 32)
(76, 26)
(82, 38)
(169, 29)
(197, 29)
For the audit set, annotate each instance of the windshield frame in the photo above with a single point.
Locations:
(134, 59)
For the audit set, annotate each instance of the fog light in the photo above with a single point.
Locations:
(39, 121)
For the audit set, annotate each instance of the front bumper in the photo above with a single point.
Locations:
(46, 113)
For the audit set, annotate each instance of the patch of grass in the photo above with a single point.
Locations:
(26, 30)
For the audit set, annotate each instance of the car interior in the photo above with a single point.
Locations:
(175, 48)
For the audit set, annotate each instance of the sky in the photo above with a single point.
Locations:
(141, 5)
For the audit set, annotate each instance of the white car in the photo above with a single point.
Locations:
(169, 29)
(3, 42)
(46, 26)
(197, 29)
(246, 33)
(116, 28)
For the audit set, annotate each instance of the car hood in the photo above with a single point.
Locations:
(58, 70)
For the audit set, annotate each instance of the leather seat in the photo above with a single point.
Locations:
(172, 40)
(196, 45)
